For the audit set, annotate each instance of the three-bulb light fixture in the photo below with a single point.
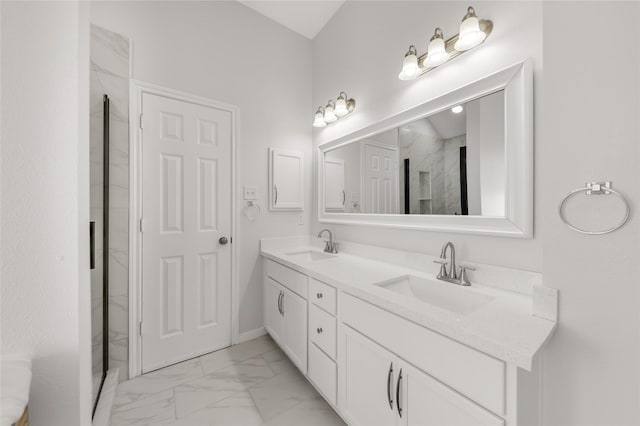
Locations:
(473, 32)
(334, 110)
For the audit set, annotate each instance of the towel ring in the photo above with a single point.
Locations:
(249, 206)
(595, 188)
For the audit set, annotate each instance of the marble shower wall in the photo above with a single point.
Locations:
(452, 174)
(426, 159)
(110, 75)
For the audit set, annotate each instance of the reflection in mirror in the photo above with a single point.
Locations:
(449, 163)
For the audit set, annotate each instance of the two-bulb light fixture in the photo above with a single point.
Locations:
(473, 32)
(334, 110)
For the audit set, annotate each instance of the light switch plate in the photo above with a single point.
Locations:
(250, 192)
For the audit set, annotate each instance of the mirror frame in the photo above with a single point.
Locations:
(517, 83)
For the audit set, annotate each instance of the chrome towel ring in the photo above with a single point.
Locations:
(595, 188)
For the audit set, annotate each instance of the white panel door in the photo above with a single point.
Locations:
(380, 179)
(186, 209)
(334, 184)
(366, 381)
(286, 175)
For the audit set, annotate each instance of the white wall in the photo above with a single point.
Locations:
(591, 132)
(369, 60)
(586, 128)
(227, 52)
(45, 204)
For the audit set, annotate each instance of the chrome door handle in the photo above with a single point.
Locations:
(275, 190)
(319, 295)
(344, 197)
(319, 330)
(223, 241)
(398, 394)
(389, 381)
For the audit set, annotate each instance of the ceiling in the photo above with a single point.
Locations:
(306, 17)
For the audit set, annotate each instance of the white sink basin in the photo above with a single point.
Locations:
(310, 255)
(444, 295)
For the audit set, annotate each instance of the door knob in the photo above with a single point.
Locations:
(223, 240)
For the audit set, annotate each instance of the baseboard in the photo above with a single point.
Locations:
(252, 334)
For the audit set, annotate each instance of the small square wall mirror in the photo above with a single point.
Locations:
(459, 163)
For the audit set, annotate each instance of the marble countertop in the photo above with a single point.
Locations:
(505, 328)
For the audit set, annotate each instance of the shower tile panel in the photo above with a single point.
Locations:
(172, 197)
(207, 289)
(207, 132)
(172, 126)
(172, 278)
(207, 194)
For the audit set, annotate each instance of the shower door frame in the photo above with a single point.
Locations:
(136, 89)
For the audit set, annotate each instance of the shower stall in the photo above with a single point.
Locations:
(109, 211)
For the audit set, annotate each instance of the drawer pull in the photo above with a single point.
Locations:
(389, 379)
(319, 295)
(319, 330)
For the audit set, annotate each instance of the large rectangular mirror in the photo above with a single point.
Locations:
(461, 162)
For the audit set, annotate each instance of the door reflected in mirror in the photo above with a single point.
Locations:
(448, 163)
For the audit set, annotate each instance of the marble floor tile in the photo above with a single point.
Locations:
(312, 412)
(237, 410)
(280, 393)
(229, 356)
(253, 383)
(157, 409)
(156, 381)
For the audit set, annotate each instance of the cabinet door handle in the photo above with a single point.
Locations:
(319, 295)
(389, 384)
(275, 191)
(344, 197)
(398, 393)
(282, 304)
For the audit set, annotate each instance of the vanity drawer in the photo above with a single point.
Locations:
(470, 372)
(323, 295)
(323, 373)
(293, 280)
(322, 330)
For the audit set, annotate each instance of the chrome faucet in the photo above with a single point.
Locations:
(329, 246)
(452, 276)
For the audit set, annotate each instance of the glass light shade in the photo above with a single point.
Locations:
(329, 115)
(341, 107)
(436, 54)
(319, 120)
(410, 69)
(470, 35)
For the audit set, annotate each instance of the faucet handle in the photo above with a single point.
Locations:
(464, 278)
(334, 248)
(443, 268)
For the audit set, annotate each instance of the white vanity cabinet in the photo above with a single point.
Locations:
(286, 310)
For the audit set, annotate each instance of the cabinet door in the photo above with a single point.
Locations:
(335, 196)
(274, 319)
(295, 317)
(286, 176)
(426, 402)
(367, 376)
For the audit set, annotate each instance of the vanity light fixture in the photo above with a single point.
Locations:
(457, 109)
(473, 32)
(334, 110)
(319, 120)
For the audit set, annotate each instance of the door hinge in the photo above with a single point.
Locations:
(141, 123)
(141, 328)
(140, 225)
